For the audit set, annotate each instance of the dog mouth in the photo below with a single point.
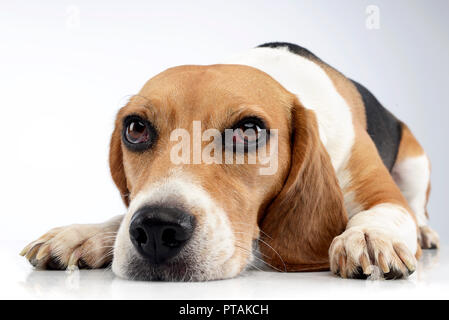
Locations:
(191, 265)
(178, 270)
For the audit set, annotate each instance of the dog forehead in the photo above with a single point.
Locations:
(230, 84)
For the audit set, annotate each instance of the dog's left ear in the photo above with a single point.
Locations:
(301, 222)
(116, 163)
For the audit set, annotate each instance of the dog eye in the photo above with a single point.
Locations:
(249, 132)
(137, 132)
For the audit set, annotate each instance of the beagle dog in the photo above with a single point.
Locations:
(349, 192)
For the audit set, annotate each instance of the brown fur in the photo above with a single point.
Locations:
(371, 181)
(300, 209)
(308, 213)
(409, 146)
(376, 185)
(218, 96)
(116, 163)
(310, 200)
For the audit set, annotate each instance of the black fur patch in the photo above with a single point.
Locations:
(383, 127)
(303, 52)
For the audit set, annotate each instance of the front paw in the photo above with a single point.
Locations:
(82, 246)
(428, 238)
(358, 251)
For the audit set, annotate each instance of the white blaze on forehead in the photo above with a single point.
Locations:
(183, 188)
(316, 91)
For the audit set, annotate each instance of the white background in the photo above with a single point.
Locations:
(66, 67)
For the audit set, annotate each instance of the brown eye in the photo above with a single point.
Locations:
(249, 132)
(138, 133)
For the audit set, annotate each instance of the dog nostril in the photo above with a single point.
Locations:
(158, 234)
(141, 236)
(169, 238)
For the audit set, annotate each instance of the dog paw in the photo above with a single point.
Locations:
(428, 238)
(360, 253)
(82, 246)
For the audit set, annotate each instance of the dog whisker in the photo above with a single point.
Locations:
(269, 246)
(240, 243)
(282, 260)
(259, 259)
(250, 225)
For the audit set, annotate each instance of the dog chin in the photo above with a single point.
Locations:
(179, 270)
(142, 270)
(185, 268)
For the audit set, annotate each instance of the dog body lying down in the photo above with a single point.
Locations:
(348, 192)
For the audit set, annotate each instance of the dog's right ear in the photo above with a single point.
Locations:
(303, 219)
(116, 162)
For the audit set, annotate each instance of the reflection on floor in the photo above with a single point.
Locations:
(19, 280)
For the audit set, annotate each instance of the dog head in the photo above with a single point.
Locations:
(188, 154)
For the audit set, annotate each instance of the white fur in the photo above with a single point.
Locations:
(392, 219)
(412, 175)
(316, 91)
(351, 205)
(378, 232)
(212, 244)
(70, 244)
(313, 87)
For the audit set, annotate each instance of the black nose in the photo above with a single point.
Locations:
(159, 233)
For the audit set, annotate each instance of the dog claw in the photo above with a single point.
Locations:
(71, 247)
(24, 251)
(71, 268)
(392, 257)
(43, 251)
(428, 238)
(73, 260)
(366, 265)
(30, 254)
(405, 258)
(382, 263)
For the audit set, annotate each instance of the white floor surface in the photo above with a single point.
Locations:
(20, 281)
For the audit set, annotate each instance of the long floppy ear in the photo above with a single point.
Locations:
(309, 212)
(116, 163)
